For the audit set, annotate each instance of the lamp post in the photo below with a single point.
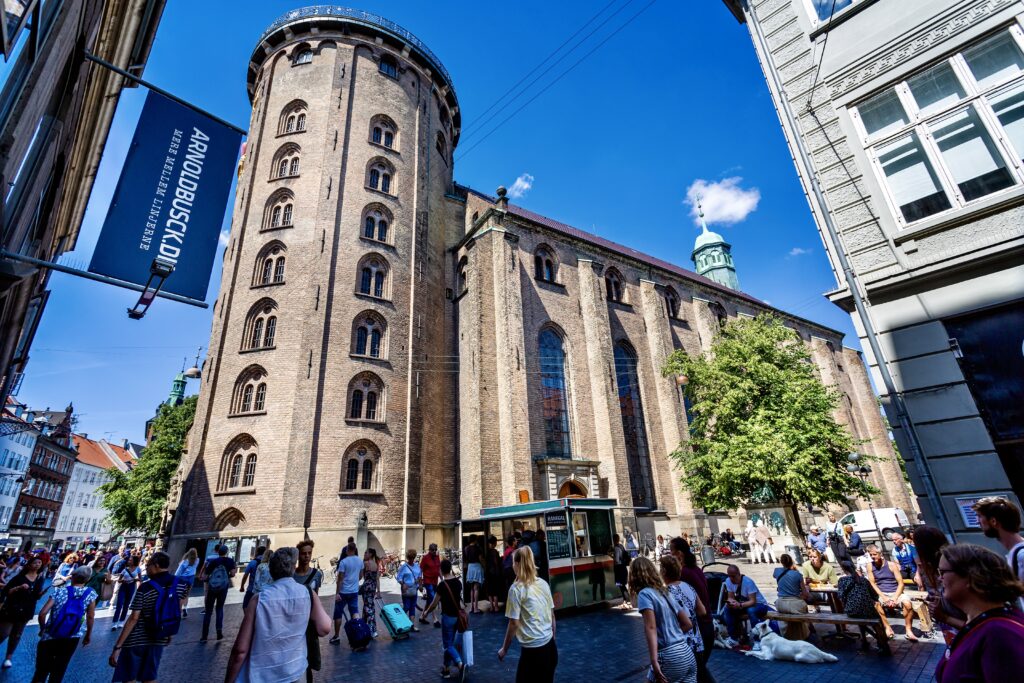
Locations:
(863, 471)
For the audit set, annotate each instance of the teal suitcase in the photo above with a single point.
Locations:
(395, 620)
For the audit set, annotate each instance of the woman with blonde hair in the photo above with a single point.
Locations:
(988, 648)
(665, 625)
(186, 572)
(531, 619)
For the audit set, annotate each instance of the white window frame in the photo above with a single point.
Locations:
(816, 21)
(919, 124)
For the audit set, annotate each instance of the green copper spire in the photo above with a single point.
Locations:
(177, 396)
(713, 255)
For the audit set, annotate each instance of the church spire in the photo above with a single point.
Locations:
(177, 396)
(713, 255)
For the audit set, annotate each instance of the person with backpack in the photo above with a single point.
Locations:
(249, 575)
(217, 574)
(128, 579)
(65, 620)
(155, 619)
(20, 596)
(271, 642)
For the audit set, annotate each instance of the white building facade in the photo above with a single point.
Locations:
(83, 519)
(17, 441)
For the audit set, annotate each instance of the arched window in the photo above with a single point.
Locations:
(304, 56)
(286, 161)
(366, 398)
(367, 481)
(671, 303)
(441, 145)
(359, 465)
(718, 310)
(368, 333)
(383, 131)
(293, 118)
(351, 474)
(373, 277)
(236, 472)
(376, 223)
(463, 275)
(614, 290)
(634, 428)
(379, 174)
(279, 210)
(269, 267)
(545, 267)
(250, 392)
(260, 325)
(250, 470)
(388, 66)
(554, 396)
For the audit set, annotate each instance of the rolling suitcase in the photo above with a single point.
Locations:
(396, 620)
(358, 633)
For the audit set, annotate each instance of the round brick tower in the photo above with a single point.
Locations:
(315, 416)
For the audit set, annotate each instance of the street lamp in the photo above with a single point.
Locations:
(863, 471)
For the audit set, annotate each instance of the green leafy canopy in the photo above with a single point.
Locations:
(136, 498)
(762, 422)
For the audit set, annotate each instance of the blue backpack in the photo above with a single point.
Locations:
(68, 619)
(167, 611)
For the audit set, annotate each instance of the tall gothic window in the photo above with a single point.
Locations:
(634, 429)
(554, 402)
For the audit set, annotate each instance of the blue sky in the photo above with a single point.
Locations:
(673, 98)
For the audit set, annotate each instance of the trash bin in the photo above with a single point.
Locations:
(795, 552)
(707, 554)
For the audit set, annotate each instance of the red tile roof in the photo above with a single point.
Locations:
(92, 453)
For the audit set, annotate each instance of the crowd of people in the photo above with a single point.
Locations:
(966, 594)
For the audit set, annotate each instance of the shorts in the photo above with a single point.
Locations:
(474, 573)
(903, 600)
(139, 663)
(351, 600)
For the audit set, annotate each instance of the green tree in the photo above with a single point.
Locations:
(136, 498)
(762, 423)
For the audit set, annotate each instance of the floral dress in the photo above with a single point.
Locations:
(369, 591)
(686, 597)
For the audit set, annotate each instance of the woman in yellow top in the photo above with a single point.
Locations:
(817, 571)
(531, 619)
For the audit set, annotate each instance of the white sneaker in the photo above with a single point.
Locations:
(7, 664)
(732, 642)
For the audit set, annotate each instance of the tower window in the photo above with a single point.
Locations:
(614, 290)
(388, 66)
(304, 57)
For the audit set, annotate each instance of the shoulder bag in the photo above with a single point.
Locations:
(462, 619)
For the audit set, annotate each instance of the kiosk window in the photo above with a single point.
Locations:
(579, 532)
(600, 531)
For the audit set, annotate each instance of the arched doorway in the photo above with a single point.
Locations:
(572, 489)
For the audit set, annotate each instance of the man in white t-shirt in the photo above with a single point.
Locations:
(1000, 519)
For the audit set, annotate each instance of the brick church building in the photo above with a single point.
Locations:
(392, 351)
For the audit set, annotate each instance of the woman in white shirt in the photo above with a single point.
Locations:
(186, 571)
(531, 619)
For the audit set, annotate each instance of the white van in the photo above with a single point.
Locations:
(886, 520)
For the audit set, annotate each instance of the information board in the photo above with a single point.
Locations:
(559, 547)
(555, 518)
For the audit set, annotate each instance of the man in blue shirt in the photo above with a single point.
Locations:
(817, 539)
(742, 596)
(905, 554)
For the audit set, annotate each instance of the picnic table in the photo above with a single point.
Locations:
(873, 626)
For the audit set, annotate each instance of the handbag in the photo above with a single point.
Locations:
(461, 619)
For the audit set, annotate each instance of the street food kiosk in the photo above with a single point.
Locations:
(579, 542)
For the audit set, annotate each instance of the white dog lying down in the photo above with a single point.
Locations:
(774, 646)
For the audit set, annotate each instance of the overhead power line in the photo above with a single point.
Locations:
(556, 80)
(482, 119)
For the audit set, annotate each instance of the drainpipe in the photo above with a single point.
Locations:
(804, 167)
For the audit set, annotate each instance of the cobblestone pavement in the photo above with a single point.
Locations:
(597, 645)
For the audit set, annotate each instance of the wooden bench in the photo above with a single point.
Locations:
(873, 626)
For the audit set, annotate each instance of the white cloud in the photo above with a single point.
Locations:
(521, 186)
(723, 201)
(799, 251)
(224, 239)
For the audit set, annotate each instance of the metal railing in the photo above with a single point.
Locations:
(358, 16)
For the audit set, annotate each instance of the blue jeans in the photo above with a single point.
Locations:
(409, 605)
(350, 600)
(214, 603)
(734, 617)
(448, 633)
(125, 593)
(431, 592)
